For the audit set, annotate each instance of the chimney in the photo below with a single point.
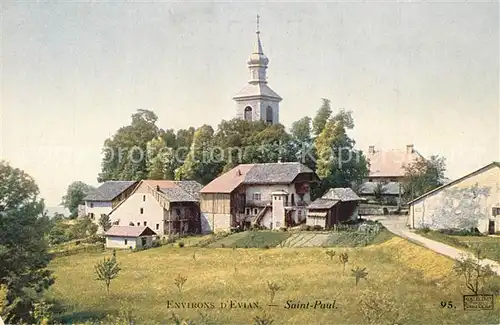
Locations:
(238, 173)
(158, 187)
(371, 150)
(409, 148)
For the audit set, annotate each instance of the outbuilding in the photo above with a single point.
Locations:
(129, 237)
(472, 201)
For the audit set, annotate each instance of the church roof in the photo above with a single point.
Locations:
(260, 90)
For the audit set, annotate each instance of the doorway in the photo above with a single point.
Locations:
(143, 241)
(491, 227)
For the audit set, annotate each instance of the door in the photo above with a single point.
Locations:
(491, 228)
(143, 241)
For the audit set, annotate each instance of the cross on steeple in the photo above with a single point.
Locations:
(258, 31)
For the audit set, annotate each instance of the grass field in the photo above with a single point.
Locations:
(408, 277)
(490, 245)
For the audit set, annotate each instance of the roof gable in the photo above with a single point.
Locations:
(109, 190)
(493, 164)
(341, 194)
(229, 181)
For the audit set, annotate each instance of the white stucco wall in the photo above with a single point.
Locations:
(266, 190)
(313, 221)
(215, 222)
(98, 208)
(119, 242)
(130, 211)
(458, 204)
(259, 108)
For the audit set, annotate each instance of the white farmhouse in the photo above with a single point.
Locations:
(472, 201)
(168, 207)
(107, 196)
(129, 237)
(272, 195)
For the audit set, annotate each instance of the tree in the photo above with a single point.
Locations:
(422, 176)
(378, 192)
(23, 249)
(338, 163)
(156, 158)
(473, 271)
(125, 152)
(359, 274)
(343, 259)
(322, 116)
(107, 270)
(75, 194)
(105, 222)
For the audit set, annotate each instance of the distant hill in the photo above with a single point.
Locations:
(57, 209)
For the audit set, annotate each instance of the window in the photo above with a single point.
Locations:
(495, 211)
(248, 113)
(91, 204)
(299, 213)
(138, 224)
(247, 211)
(255, 211)
(126, 241)
(157, 226)
(91, 216)
(370, 180)
(256, 196)
(178, 211)
(269, 115)
(144, 198)
(142, 210)
(293, 199)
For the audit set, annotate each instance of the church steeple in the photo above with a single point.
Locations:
(257, 62)
(257, 101)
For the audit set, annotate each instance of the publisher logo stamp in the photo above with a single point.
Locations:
(479, 302)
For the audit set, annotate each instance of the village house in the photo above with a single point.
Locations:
(387, 167)
(271, 195)
(472, 201)
(129, 237)
(335, 206)
(104, 198)
(168, 207)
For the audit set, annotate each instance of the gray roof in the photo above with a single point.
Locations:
(341, 194)
(108, 190)
(257, 90)
(191, 187)
(322, 204)
(178, 195)
(129, 231)
(277, 173)
(390, 188)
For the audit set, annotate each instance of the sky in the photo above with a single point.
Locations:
(72, 73)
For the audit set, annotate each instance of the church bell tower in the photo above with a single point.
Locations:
(257, 101)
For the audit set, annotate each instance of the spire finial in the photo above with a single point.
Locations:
(258, 31)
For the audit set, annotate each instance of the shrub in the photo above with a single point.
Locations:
(181, 244)
(283, 229)
(317, 228)
(266, 246)
(156, 243)
(222, 245)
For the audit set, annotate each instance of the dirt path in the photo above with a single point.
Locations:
(397, 225)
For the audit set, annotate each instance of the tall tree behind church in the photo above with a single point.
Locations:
(125, 152)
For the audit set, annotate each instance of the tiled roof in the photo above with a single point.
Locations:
(341, 194)
(108, 190)
(390, 188)
(275, 173)
(129, 231)
(178, 195)
(390, 163)
(270, 173)
(322, 204)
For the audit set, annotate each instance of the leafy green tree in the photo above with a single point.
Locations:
(423, 175)
(473, 271)
(107, 270)
(23, 249)
(124, 153)
(322, 116)
(202, 163)
(105, 222)
(338, 163)
(156, 158)
(74, 196)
